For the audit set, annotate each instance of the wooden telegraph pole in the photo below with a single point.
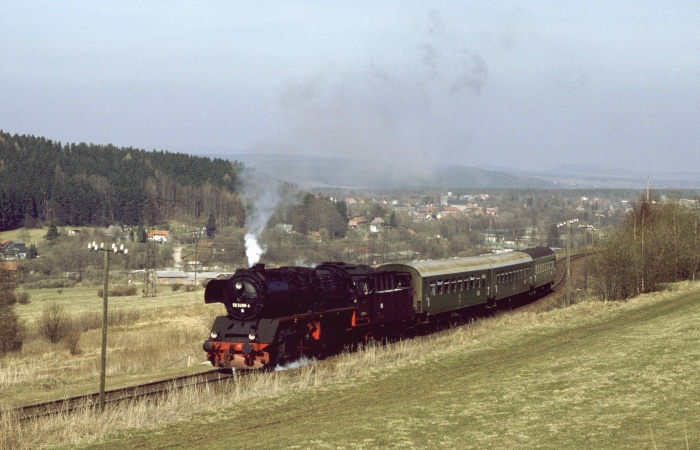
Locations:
(105, 287)
(568, 263)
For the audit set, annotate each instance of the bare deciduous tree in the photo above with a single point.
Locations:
(656, 244)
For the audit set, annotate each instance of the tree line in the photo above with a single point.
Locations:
(657, 243)
(96, 185)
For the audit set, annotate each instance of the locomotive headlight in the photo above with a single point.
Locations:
(214, 335)
(239, 285)
(252, 336)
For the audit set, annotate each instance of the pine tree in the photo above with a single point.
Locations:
(32, 252)
(392, 220)
(141, 235)
(52, 232)
(211, 226)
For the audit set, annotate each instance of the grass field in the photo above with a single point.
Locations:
(28, 235)
(149, 338)
(595, 375)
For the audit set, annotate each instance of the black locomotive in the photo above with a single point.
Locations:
(278, 315)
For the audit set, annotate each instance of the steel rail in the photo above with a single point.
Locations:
(67, 405)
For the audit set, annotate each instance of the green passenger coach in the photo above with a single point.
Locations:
(449, 285)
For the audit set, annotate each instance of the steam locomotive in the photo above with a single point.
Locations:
(275, 316)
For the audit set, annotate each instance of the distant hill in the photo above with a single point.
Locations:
(319, 172)
(310, 172)
(587, 176)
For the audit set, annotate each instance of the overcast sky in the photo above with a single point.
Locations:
(530, 84)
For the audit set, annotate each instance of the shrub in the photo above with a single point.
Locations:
(55, 283)
(175, 287)
(53, 323)
(11, 329)
(22, 298)
(72, 333)
(8, 296)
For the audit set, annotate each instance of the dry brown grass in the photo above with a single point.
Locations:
(146, 338)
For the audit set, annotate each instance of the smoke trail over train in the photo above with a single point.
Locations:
(262, 197)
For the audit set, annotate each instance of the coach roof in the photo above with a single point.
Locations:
(446, 267)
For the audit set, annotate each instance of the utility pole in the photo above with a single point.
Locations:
(150, 271)
(105, 287)
(196, 256)
(567, 301)
(568, 264)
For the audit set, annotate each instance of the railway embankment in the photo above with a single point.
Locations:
(595, 375)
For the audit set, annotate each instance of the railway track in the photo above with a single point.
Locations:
(561, 269)
(154, 388)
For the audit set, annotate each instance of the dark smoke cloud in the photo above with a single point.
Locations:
(415, 113)
(474, 74)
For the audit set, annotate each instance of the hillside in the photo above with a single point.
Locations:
(89, 185)
(595, 375)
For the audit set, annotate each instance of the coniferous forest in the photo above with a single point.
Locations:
(97, 185)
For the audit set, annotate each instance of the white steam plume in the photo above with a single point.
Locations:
(262, 197)
(253, 249)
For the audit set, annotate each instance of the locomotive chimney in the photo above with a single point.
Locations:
(258, 266)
